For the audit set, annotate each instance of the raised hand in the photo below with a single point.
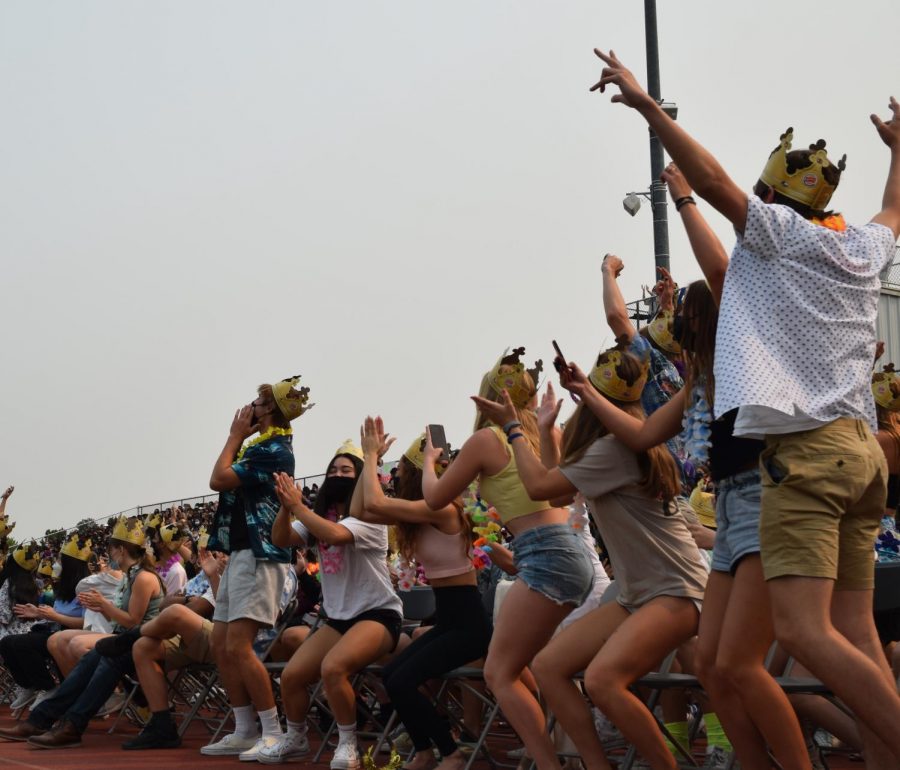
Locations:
(677, 184)
(612, 265)
(499, 414)
(8, 492)
(290, 497)
(574, 380)
(631, 94)
(890, 131)
(242, 424)
(665, 289)
(548, 411)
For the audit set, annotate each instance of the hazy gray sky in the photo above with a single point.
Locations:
(197, 197)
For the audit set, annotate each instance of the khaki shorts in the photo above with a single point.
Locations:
(823, 494)
(179, 654)
(250, 588)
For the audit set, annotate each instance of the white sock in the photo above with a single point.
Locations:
(269, 721)
(296, 729)
(244, 722)
(347, 734)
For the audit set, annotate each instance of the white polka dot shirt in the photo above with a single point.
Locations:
(797, 321)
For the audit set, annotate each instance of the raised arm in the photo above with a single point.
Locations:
(707, 248)
(441, 492)
(890, 203)
(613, 301)
(540, 482)
(326, 531)
(637, 435)
(4, 497)
(223, 477)
(702, 171)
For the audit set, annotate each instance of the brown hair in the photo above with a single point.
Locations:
(659, 473)
(278, 418)
(136, 552)
(700, 317)
(410, 488)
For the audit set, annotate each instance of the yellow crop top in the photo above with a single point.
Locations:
(505, 490)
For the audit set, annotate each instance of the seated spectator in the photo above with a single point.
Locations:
(59, 720)
(26, 655)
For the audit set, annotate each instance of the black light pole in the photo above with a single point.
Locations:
(657, 159)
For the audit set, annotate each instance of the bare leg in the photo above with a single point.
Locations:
(240, 655)
(746, 636)
(303, 669)
(637, 645)
(801, 607)
(526, 623)
(228, 672)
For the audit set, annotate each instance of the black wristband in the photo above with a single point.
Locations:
(685, 201)
(511, 436)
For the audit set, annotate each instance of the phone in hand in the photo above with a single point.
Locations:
(559, 363)
(439, 439)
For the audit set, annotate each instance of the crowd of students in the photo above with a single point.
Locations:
(755, 385)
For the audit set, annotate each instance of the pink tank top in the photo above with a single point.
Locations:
(441, 555)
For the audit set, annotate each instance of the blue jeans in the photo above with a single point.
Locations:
(83, 692)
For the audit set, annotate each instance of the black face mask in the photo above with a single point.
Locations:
(337, 489)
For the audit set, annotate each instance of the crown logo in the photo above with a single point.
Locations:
(509, 374)
(661, 330)
(607, 376)
(77, 547)
(804, 184)
(129, 531)
(27, 556)
(290, 401)
(886, 388)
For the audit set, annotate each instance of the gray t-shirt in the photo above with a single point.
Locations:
(652, 554)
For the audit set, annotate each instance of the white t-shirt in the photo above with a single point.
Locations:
(175, 579)
(796, 327)
(355, 576)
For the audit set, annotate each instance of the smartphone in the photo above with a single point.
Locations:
(439, 439)
(560, 361)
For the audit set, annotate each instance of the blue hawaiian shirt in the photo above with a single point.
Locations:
(663, 382)
(255, 498)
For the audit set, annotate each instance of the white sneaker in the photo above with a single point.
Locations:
(41, 697)
(265, 742)
(230, 745)
(24, 696)
(716, 758)
(290, 748)
(346, 757)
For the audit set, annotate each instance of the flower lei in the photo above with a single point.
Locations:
(487, 527)
(271, 432)
(408, 573)
(835, 222)
(162, 572)
(697, 430)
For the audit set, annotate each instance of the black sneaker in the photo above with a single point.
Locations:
(157, 734)
(118, 644)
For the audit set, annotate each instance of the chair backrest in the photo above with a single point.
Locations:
(418, 604)
(887, 586)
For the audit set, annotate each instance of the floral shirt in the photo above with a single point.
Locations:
(9, 623)
(255, 499)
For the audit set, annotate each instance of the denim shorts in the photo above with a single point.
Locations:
(553, 560)
(737, 520)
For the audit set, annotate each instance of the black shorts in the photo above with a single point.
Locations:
(390, 619)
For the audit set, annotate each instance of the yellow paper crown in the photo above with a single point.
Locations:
(704, 505)
(203, 539)
(349, 448)
(416, 455)
(509, 374)
(45, 568)
(806, 184)
(77, 548)
(172, 535)
(129, 531)
(886, 388)
(153, 520)
(6, 526)
(27, 556)
(660, 329)
(291, 402)
(606, 378)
